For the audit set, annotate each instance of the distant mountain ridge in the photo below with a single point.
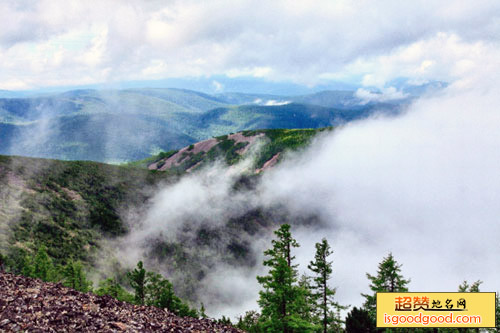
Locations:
(131, 124)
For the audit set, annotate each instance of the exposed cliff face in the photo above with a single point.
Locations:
(31, 305)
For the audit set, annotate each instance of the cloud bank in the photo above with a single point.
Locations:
(424, 185)
(57, 43)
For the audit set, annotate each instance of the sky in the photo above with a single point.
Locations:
(51, 43)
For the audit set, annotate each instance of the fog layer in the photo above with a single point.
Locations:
(424, 185)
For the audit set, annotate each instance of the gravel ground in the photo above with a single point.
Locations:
(30, 305)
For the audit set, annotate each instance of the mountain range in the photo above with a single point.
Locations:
(132, 124)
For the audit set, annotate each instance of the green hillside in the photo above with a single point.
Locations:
(75, 207)
(95, 137)
(67, 206)
(124, 125)
(248, 117)
(261, 145)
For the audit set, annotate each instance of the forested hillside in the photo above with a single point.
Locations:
(126, 125)
(66, 206)
(74, 208)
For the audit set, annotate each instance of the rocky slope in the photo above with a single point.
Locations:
(264, 147)
(30, 305)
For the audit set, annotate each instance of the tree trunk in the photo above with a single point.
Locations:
(325, 322)
(289, 260)
(283, 313)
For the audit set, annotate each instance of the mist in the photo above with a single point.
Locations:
(422, 185)
(37, 127)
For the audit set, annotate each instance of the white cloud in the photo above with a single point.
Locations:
(270, 102)
(155, 68)
(94, 54)
(273, 102)
(278, 40)
(446, 57)
(387, 94)
(423, 185)
(218, 87)
(254, 71)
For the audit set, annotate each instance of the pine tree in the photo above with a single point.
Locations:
(159, 292)
(466, 288)
(281, 296)
(40, 266)
(388, 279)
(137, 280)
(2, 262)
(224, 321)
(202, 311)
(112, 288)
(250, 322)
(323, 294)
(150, 288)
(497, 311)
(306, 305)
(359, 321)
(16, 260)
(74, 277)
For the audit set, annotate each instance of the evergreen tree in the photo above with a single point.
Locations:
(328, 310)
(16, 260)
(2, 262)
(281, 297)
(250, 322)
(497, 311)
(359, 321)
(202, 311)
(159, 292)
(74, 277)
(40, 266)
(27, 268)
(183, 310)
(388, 279)
(137, 280)
(224, 320)
(112, 288)
(306, 305)
(466, 288)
